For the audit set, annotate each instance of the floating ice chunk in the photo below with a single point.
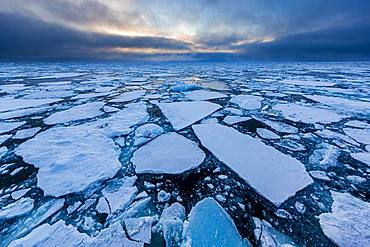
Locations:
(267, 134)
(51, 236)
(342, 104)
(326, 156)
(68, 164)
(204, 95)
(247, 102)
(19, 193)
(171, 223)
(363, 157)
(4, 138)
(360, 135)
(120, 198)
(120, 123)
(139, 229)
(74, 207)
(278, 126)
(128, 96)
(357, 124)
(307, 114)
(168, 153)
(300, 207)
(183, 87)
(147, 132)
(348, 224)
(210, 225)
(23, 112)
(26, 133)
(75, 113)
(183, 114)
(102, 206)
(9, 104)
(230, 120)
(163, 196)
(291, 145)
(9, 126)
(337, 136)
(16, 209)
(356, 179)
(110, 109)
(3, 151)
(59, 75)
(319, 175)
(269, 236)
(273, 174)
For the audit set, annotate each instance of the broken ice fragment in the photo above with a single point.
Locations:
(247, 102)
(168, 153)
(348, 222)
(273, 174)
(183, 114)
(210, 225)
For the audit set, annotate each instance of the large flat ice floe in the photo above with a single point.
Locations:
(9, 104)
(128, 96)
(273, 174)
(247, 102)
(61, 234)
(183, 114)
(348, 224)
(168, 153)
(70, 158)
(75, 113)
(9, 126)
(210, 225)
(308, 114)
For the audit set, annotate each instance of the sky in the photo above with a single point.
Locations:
(185, 30)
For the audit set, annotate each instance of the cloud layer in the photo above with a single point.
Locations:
(189, 30)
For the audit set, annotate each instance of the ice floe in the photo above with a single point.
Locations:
(128, 96)
(84, 111)
(70, 158)
(9, 104)
(9, 126)
(247, 102)
(26, 133)
(17, 209)
(168, 153)
(183, 114)
(348, 222)
(273, 174)
(210, 225)
(204, 95)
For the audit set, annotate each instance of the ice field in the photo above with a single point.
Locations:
(185, 154)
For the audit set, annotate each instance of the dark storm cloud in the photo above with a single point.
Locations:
(26, 37)
(336, 43)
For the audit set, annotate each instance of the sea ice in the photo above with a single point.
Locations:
(9, 126)
(364, 157)
(4, 138)
(273, 174)
(278, 126)
(210, 225)
(26, 133)
(18, 208)
(203, 95)
(307, 114)
(360, 135)
(75, 113)
(146, 133)
(269, 236)
(128, 96)
(183, 114)
(267, 134)
(139, 229)
(247, 102)
(68, 164)
(168, 153)
(9, 104)
(348, 222)
(230, 120)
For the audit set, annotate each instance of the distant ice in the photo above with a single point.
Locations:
(168, 153)
(247, 102)
(9, 104)
(273, 174)
(308, 114)
(128, 96)
(203, 95)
